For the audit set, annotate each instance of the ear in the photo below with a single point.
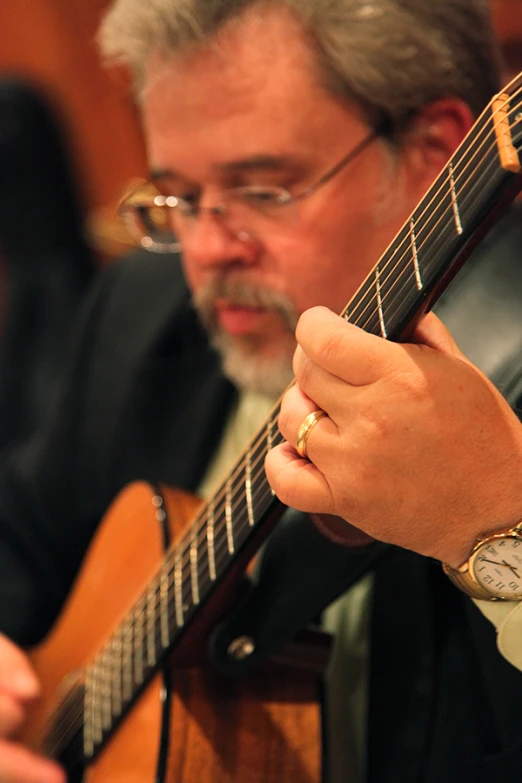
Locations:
(434, 136)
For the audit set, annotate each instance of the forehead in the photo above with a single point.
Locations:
(255, 88)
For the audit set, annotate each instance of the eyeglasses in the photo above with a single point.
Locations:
(160, 223)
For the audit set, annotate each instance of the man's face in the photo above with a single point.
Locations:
(250, 111)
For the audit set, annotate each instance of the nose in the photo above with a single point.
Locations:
(210, 243)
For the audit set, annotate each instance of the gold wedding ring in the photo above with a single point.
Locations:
(305, 429)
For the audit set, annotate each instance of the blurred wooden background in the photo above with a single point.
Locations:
(52, 41)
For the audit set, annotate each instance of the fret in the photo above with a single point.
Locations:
(138, 639)
(211, 526)
(164, 608)
(269, 436)
(248, 488)
(454, 200)
(152, 593)
(96, 723)
(228, 517)
(434, 232)
(415, 255)
(379, 302)
(178, 589)
(106, 689)
(127, 647)
(270, 442)
(116, 674)
(194, 566)
(88, 713)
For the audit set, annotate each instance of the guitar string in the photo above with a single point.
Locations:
(218, 530)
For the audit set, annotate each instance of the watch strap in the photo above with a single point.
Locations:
(465, 582)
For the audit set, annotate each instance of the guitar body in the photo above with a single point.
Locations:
(190, 724)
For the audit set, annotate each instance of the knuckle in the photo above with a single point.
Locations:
(281, 487)
(317, 342)
(284, 420)
(409, 379)
(305, 325)
(304, 374)
(373, 428)
(412, 384)
(298, 358)
(332, 344)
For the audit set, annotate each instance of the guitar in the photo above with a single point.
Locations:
(112, 708)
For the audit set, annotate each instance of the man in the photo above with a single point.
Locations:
(288, 142)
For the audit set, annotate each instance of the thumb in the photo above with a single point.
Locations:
(17, 677)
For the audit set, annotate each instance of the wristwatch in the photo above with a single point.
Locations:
(493, 570)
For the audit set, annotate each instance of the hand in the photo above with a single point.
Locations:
(418, 448)
(18, 688)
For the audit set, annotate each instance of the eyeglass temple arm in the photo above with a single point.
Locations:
(342, 163)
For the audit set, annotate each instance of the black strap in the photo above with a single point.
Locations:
(300, 573)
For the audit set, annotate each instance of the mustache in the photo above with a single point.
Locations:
(239, 293)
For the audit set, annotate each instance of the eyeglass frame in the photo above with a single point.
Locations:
(285, 198)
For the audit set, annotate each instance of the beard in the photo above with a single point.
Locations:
(251, 362)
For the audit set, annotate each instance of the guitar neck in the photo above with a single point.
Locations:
(480, 179)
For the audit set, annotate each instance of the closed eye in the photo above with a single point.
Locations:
(263, 196)
(188, 202)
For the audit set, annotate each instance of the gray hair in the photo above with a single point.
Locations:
(392, 56)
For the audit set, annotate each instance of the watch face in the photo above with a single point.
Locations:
(497, 566)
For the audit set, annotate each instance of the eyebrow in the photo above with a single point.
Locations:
(260, 162)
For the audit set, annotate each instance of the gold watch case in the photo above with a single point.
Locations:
(493, 571)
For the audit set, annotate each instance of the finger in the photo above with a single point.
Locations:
(344, 350)
(18, 765)
(17, 676)
(431, 331)
(295, 408)
(297, 482)
(325, 391)
(11, 715)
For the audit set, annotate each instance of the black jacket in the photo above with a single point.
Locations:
(145, 399)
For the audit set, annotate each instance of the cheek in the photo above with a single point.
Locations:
(294, 268)
(192, 273)
(321, 267)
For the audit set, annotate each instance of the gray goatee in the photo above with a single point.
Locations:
(243, 361)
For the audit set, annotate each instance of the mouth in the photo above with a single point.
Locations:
(240, 319)
(244, 311)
